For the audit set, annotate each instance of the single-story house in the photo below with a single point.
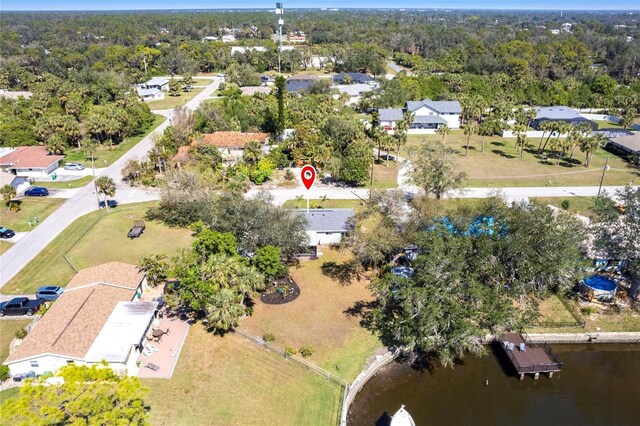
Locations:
(98, 317)
(354, 91)
(13, 94)
(242, 49)
(150, 94)
(209, 38)
(30, 161)
(156, 83)
(353, 78)
(228, 38)
(19, 183)
(560, 113)
(301, 83)
(252, 90)
(327, 226)
(230, 144)
(629, 144)
(428, 115)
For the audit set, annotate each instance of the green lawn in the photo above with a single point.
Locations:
(170, 102)
(318, 318)
(324, 204)
(385, 176)
(4, 246)
(227, 380)
(500, 164)
(94, 239)
(106, 155)
(8, 329)
(8, 393)
(40, 207)
(578, 205)
(607, 125)
(77, 183)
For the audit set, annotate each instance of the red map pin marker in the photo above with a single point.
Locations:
(308, 176)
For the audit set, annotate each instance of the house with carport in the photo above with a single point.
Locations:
(29, 161)
(98, 318)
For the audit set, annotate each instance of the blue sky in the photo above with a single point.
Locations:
(213, 4)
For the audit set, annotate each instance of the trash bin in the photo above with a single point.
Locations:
(54, 176)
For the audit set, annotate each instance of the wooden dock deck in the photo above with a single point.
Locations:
(534, 360)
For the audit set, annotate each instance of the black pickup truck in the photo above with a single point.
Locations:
(20, 306)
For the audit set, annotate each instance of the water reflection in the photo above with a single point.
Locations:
(599, 384)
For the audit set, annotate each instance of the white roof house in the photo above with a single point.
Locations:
(124, 329)
(243, 49)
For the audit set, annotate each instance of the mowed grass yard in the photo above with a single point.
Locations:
(230, 381)
(30, 207)
(501, 166)
(577, 205)
(94, 239)
(385, 176)
(170, 102)
(4, 246)
(324, 204)
(8, 328)
(318, 318)
(106, 155)
(69, 184)
(553, 311)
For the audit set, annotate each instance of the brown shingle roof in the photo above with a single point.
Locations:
(29, 157)
(72, 323)
(114, 273)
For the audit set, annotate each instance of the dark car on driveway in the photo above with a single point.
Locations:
(49, 293)
(6, 232)
(36, 191)
(20, 306)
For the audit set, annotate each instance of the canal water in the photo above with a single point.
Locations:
(599, 385)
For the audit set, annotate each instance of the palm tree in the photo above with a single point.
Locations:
(8, 194)
(471, 128)
(252, 151)
(520, 131)
(545, 126)
(486, 129)
(107, 187)
(530, 115)
(590, 144)
(443, 131)
(553, 127)
(400, 133)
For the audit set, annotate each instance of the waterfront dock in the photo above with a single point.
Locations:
(532, 360)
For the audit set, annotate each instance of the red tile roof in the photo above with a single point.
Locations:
(26, 157)
(224, 140)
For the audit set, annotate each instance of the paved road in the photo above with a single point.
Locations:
(84, 200)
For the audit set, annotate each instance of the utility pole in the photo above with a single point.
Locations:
(604, 169)
(280, 11)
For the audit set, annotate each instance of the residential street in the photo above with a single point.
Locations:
(83, 200)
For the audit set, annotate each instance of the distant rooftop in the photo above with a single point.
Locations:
(441, 107)
(556, 113)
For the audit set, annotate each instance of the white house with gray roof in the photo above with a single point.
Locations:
(428, 116)
(327, 226)
(156, 83)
